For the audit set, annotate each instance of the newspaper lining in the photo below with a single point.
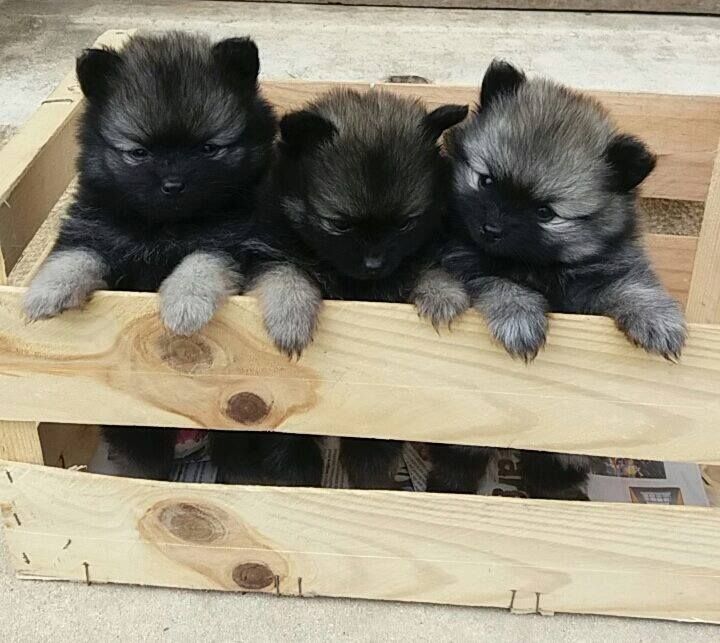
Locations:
(610, 480)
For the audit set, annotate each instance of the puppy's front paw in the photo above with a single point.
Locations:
(291, 330)
(522, 330)
(43, 301)
(661, 331)
(185, 313)
(441, 307)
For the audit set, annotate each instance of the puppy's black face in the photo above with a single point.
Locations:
(540, 175)
(175, 127)
(370, 184)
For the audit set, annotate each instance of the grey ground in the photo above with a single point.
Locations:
(38, 40)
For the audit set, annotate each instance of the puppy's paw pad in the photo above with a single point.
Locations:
(186, 314)
(441, 308)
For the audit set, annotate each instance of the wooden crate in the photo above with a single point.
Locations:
(374, 370)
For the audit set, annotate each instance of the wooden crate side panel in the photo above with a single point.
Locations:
(704, 296)
(681, 130)
(39, 163)
(465, 550)
(374, 370)
(673, 258)
(19, 441)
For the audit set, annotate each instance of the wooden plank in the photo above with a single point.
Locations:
(464, 550)
(673, 257)
(38, 163)
(704, 297)
(682, 131)
(374, 370)
(625, 6)
(19, 441)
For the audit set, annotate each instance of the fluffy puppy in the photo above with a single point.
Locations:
(357, 203)
(173, 142)
(545, 211)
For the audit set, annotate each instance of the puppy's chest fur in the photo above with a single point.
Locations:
(141, 255)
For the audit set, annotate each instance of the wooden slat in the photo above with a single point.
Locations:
(19, 441)
(682, 130)
(373, 370)
(465, 550)
(673, 257)
(704, 297)
(38, 163)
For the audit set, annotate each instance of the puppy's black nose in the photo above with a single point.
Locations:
(373, 262)
(172, 186)
(492, 231)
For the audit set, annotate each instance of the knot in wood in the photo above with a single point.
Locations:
(247, 408)
(185, 354)
(253, 576)
(192, 523)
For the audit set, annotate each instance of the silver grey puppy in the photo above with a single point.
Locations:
(544, 214)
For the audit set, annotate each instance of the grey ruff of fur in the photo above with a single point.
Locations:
(195, 289)
(290, 304)
(439, 297)
(66, 280)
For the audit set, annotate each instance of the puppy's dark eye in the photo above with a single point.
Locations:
(485, 180)
(139, 153)
(210, 149)
(544, 213)
(342, 226)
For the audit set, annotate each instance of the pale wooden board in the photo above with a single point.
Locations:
(374, 370)
(465, 550)
(625, 6)
(38, 163)
(682, 131)
(704, 296)
(673, 257)
(19, 441)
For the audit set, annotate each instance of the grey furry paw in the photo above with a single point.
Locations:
(43, 301)
(291, 330)
(442, 307)
(661, 331)
(522, 330)
(185, 313)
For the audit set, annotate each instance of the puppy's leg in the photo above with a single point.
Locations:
(66, 280)
(516, 315)
(555, 475)
(290, 304)
(197, 287)
(141, 452)
(370, 464)
(249, 457)
(645, 312)
(439, 297)
(457, 469)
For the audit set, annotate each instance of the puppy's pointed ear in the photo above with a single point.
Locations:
(301, 131)
(630, 162)
(442, 118)
(95, 69)
(501, 78)
(238, 61)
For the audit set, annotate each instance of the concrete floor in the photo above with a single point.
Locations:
(38, 40)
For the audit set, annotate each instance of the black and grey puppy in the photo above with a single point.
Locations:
(545, 212)
(358, 200)
(174, 140)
